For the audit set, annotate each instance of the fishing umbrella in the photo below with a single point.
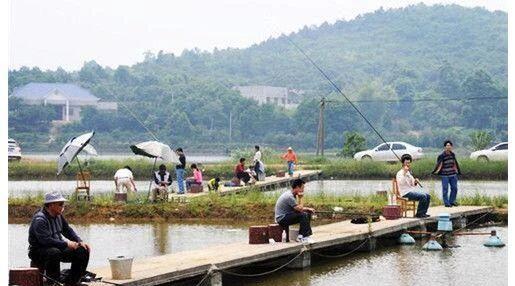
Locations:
(155, 149)
(71, 150)
(90, 150)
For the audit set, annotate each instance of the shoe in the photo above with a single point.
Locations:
(448, 206)
(422, 216)
(307, 240)
(299, 238)
(455, 204)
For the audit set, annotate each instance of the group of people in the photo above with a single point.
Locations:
(289, 208)
(162, 180)
(48, 230)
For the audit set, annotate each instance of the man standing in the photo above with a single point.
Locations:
(47, 246)
(124, 180)
(162, 180)
(448, 169)
(179, 170)
(291, 160)
(259, 167)
(407, 184)
(288, 211)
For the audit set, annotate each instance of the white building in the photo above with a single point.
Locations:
(280, 96)
(67, 99)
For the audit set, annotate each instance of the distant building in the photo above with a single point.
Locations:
(68, 99)
(280, 96)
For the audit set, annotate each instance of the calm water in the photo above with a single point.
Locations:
(470, 264)
(466, 188)
(137, 240)
(190, 158)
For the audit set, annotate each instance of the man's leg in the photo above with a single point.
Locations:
(423, 202)
(51, 260)
(304, 219)
(445, 190)
(180, 183)
(79, 259)
(453, 181)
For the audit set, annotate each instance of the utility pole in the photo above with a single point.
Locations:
(321, 127)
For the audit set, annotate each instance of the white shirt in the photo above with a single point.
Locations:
(405, 181)
(257, 156)
(123, 173)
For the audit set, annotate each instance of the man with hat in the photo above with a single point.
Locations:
(48, 249)
(291, 159)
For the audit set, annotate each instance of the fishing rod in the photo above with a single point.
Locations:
(346, 98)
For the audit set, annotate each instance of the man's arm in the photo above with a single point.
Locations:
(68, 232)
(439, 162)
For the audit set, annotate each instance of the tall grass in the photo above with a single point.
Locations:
(332, 169)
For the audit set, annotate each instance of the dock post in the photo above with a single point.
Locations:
(301, 262)
(421, 227)
(371, 244)
(215, 279)
(460, 222)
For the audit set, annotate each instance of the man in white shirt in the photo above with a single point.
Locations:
(123, 179)
(408, 187)
(259, 167)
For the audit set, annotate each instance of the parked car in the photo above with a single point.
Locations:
(498, 152)
(383, 152)
(14, 150)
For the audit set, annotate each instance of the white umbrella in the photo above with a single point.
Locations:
(155, 149)
(90, 150)
(71, 149)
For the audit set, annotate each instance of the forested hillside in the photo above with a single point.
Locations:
(408, 69)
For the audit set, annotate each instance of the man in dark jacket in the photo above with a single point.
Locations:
(47, 246)
(179, 170)
(448, 169)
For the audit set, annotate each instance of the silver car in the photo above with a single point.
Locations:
(14, 150)
(383, 152)
(498, 152)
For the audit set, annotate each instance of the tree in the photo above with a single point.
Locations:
(479, 140)
(354, 142)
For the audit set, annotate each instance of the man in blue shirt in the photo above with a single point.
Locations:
(47, 247)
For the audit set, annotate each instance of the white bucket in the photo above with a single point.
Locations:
(121, 267)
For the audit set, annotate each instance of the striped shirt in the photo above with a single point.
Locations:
(448, 164)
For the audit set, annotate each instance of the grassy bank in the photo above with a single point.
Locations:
(332, 169)
(251, 206)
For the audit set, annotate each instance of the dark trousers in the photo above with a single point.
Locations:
(423, 201)
(302, 218)
(244, 176)
(51, 257)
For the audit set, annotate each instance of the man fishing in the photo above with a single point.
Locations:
(288, 211)
(47, 246)
(291, 160)
(162, 180)
(407, 187)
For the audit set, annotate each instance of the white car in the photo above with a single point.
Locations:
(14, 150)
(497, 153)
(383, 152)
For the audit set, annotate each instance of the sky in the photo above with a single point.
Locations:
(66, 33)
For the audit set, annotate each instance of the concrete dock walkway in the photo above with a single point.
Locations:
(177, 266)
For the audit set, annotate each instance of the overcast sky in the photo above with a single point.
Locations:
(65, 33)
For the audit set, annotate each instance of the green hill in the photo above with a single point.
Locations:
(412, 54)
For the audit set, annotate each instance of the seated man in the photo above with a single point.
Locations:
(407, 187)
(240, 173)
(124, 180)
(288, 211)
(214, 184)
(48, 249)
(162, 180)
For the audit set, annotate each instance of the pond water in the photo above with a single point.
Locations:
(198, 158)
(137, 240)
(349, 187)
(469, 264)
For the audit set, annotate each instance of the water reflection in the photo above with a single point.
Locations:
(337, 187)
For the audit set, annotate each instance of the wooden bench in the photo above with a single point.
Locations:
(406, 204)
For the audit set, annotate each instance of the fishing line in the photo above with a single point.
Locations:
(341, 92)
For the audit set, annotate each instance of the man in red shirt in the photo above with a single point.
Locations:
(239, 171)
